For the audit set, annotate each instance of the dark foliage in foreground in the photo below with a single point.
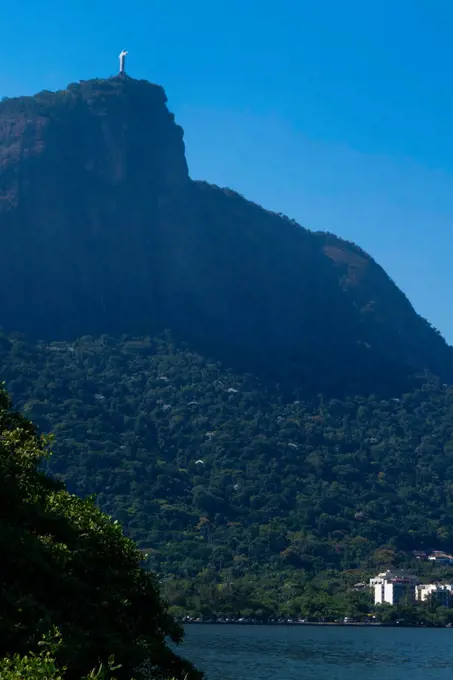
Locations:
(65, 564)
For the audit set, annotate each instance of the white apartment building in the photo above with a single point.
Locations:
(399, 587)
(394, 587)
(442, 594)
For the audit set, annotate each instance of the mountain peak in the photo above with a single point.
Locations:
(95, 90)
(108, 131)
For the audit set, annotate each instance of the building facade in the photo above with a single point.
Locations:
(437, 593)
(399, 587)
(394, 587)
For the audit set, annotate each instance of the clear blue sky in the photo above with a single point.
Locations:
(339, 114)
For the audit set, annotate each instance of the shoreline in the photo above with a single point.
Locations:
(289, 623)
(338, 624)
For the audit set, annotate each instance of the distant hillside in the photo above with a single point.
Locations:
(102, 231)
(207, 469)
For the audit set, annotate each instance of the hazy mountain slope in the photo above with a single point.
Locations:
(102, 231)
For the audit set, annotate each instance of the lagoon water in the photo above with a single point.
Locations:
(229, 652)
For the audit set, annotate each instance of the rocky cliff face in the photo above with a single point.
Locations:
(84, 173)
(102, 231)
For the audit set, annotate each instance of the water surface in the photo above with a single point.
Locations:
(319, 653)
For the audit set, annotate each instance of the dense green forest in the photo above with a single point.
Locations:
(70, 579)
(243, 498)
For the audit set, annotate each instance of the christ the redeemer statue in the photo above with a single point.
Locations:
(123, 62)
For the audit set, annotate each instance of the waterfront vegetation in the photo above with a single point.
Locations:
(358, 613)
(43, 665)
(329, 597)
(67, 570)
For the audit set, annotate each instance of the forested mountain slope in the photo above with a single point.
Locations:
(102, 231)
(209, 469)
